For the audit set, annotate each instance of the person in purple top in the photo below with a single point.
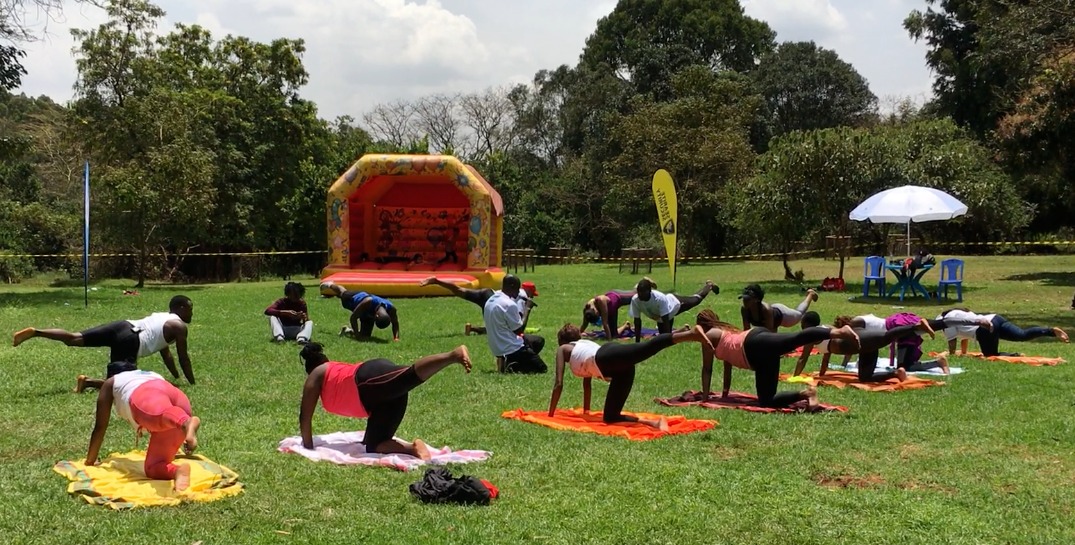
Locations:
(367, 310)
(603, 310)
(289, 318)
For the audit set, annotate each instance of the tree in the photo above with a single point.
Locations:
(488, 116)
(701, 137)
(14, 30)
(391, 122)
(647, 41)
(808, 87)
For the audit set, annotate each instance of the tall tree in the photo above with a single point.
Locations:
(808, 87)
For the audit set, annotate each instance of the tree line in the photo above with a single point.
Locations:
(203, 144)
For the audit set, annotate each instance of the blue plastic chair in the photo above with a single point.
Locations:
(874, 271)
(951, 275)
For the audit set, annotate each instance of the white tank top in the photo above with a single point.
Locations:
(123, 387)
(873, 323)
(584, 359)
(151, 332)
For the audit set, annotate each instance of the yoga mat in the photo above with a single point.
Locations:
(839, 379)
(738, 400)
(346, 448)
(1034, 361)
(119, 481)
(575, 420)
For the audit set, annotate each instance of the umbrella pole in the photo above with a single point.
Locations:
(908, 238)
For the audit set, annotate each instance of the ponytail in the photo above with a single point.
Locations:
(313, 355)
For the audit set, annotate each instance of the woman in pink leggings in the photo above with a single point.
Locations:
(148, 402)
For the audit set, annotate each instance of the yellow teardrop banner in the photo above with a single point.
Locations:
(664, 195)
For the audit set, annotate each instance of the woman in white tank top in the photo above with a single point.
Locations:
(613, 362)
(148, 402)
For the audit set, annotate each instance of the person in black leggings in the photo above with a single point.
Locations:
(869, 345)
(477, 296)
(375, 389)
(613, 362)
(759, 350)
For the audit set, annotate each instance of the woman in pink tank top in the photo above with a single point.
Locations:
(374, 389)
(760, 350)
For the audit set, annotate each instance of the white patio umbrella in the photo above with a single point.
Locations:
(906, 204)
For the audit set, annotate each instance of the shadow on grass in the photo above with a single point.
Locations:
(54, 296)
(1050, 278)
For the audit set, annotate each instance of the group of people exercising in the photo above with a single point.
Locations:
(377, 389)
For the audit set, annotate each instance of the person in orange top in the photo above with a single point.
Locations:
(760, 350)
(374, 389)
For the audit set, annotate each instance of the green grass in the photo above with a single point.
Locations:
(987, 459)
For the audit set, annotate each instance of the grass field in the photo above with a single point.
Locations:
(988, 458)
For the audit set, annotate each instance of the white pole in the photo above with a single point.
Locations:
(908, 238)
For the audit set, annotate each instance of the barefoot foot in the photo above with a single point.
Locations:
(810, 394)
(467, 329)
(699, 335)
(1061, 334)
(22, 335)
(182, 477)
(421, 450)
(942, 360)
(190, 444)
(80, 384)
(923, 325)
(462, 356)
(901, 374)
(812, 294)
(662, 424)
(427, 281)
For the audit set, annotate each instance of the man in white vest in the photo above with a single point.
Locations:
(131, 339)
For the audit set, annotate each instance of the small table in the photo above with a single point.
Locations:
(906, 281)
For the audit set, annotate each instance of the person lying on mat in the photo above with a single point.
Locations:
(977, 326)
(129, 340)
(759, 350)
(871, 341)
(603, 310)
(148, 402)
(661, 307)
(614, 363)
(480, 297)
(375, 389)
(758, 313)
(367, 310)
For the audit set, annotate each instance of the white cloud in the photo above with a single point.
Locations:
(362, 52)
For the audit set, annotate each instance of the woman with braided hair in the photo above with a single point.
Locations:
(375, 389)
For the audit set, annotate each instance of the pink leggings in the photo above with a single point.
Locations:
(161, 409)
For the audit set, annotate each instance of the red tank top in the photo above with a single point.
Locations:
(339, 393)
(730, 348)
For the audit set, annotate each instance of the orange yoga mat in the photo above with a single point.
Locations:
(1036, 361)
(575, 420)
(840, 379)
(737, 400)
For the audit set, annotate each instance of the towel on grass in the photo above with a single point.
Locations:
(853, 367)
(575, 420)
(738, 400)
(346, 448)
(799, 352)
(840, 379)
(1035, 361)
(600, 334)
(120, 482)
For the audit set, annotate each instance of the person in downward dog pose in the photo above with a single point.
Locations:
(148, 402)
(375, 389)
(758, 313)
(759, 350)
(662, 307)
(603, 311)
(612, 362)
(129, 340)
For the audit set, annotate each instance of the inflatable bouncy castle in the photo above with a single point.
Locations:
(394, 220)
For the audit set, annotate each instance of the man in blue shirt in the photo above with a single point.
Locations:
(367, 310)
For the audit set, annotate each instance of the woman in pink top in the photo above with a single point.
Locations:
(760, 350)
(375, 390)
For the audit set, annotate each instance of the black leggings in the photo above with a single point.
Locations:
(383, 387)
(617, 361)
(763, 350)
(478, 297)
(989, 341)
(686, 302)
(872, 342)
(118, 336)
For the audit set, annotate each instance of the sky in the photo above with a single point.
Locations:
(364, 52)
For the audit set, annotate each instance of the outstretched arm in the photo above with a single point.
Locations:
(638, 330)
(707, 371)
(801, 364)
(586, 382)
(169, 362)
(357, 313)
(311, 391)
(100, 424)
(825, 363)
(727, 387)
(602, 308)
(184, 357)
(558, 385)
